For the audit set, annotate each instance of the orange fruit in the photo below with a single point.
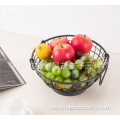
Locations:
(43, 51)
(56, 86)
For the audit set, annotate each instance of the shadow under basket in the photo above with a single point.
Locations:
(97, 52)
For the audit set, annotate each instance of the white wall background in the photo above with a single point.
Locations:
(100, 23)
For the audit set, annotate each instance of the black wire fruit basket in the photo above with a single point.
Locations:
(97, 52)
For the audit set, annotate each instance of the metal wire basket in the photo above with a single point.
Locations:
(97, 52)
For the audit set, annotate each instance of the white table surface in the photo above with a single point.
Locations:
(39, 97)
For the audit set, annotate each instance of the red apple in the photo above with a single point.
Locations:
(63, 52)
(81, 43)
(60, 40)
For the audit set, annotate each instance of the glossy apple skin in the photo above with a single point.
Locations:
(63, 52)
(81, 43)
(60, 40)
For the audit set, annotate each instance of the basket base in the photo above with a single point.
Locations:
(68, 93)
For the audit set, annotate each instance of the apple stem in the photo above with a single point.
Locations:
(61, 46)
(39, 47)
(84, 35)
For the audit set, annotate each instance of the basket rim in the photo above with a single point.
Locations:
(80, 82)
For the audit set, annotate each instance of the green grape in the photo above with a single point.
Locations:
(100, 59)
(43, 73)
(69, 65)
(43, 78)
(91, 72)
(87, 66)
(63, 67)
(97, 63)
(55, 64)
(85, 54)
(67, 85)
(90, 58)
(83, 77)
(50, 75)
(43, 64)
(79, 64)
(49, 60)
(98, 70)
(59, 78)
(56, 70)
(75, 80)
(84, 59)
(49, 67)
(66, 73)
(75, 73)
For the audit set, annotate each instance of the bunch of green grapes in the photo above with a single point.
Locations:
(83, 68)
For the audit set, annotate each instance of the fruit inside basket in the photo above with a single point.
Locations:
(68, 67)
